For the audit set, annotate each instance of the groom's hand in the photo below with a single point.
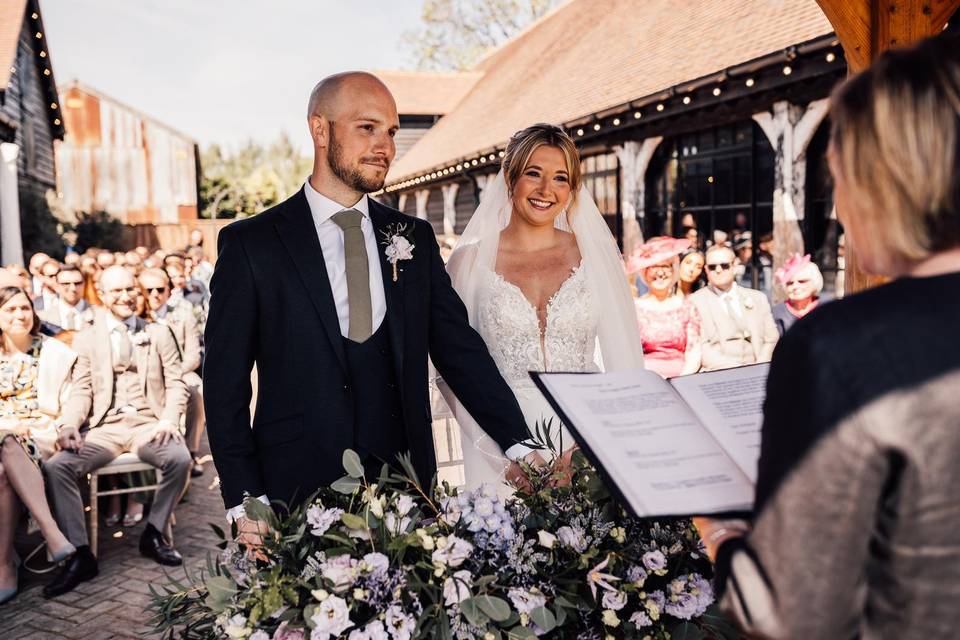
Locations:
(251, 533)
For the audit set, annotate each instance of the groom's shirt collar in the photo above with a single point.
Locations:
(323, 208)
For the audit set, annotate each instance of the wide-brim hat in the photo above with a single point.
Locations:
(655, 251)
(791, 267)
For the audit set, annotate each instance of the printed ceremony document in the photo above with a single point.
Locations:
(678, 447)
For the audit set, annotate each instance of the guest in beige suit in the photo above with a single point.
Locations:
(129, 392)
(737, 325)
(180, 319)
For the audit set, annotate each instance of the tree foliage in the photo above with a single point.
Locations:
(251, 179)
(38, 226)
(100, 229)
(456, 33)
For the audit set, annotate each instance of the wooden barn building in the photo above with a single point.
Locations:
(709, 114)
(116, 159)
(30, 122)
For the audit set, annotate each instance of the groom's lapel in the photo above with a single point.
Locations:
(381, 218)
(299, 235)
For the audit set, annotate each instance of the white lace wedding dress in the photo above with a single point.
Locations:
(510, 326)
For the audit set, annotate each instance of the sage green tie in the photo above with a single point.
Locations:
(358, 274)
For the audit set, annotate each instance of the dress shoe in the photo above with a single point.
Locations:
(197, 469)
(79, 567)
(152, 545)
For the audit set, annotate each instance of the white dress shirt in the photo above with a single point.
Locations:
(330, 235)
(730, 300)
(69, 316)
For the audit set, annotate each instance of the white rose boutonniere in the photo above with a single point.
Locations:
(398, 245)
(140, 338)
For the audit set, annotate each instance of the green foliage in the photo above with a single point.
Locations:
(253, 178)
(38, 226)
(456, 33)
(99, 229)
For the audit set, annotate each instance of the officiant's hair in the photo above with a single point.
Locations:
(524, 142)
(895, 136)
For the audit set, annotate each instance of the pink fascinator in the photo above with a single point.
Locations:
(794, 263)
(655, 251)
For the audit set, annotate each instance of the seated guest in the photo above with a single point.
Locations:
(736, 323)
(35, 375)
(855, 522)
(48, 293)
(669, 324)
(183, 324)
(69, 311)
(691, 272)
(804, 282)
(129, 392)
(202, 270)
(184, 288)
(37, 260)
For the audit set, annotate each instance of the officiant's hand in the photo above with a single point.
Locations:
(563, 468)
(714, 532)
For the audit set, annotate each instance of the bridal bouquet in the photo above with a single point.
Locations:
(386, 560)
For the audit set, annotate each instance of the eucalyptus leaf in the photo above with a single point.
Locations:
(471, 611)
(353, 521)
(524, 633)
(352, 464)
(496, 608)
(686, 631)
(345, 485)
(256, 510)
(544, 618)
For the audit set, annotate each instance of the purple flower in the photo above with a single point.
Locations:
(654, 560)
(285, 632)
(683, 606)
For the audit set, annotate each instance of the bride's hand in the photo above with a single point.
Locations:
(516, 476)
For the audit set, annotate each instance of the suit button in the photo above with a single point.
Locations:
(395, 415)
(346, 389)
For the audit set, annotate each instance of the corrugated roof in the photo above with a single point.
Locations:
(591, 55)
(427, 93)
(11, 20)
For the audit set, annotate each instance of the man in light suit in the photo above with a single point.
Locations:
(69, 311)
(737, 325)
(180, 319)
(128, 391)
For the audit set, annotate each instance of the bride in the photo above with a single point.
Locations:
(544, 285)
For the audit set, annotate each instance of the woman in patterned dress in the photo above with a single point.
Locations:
(669, 323)
(34, 377)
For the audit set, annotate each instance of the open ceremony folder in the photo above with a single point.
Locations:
(680, 447)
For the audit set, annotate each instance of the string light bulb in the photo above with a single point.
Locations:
(53, 105)
(660, 107)
(750, 82)
(831, 56)
(502, 153)
(616, 122)
(596, 127)
(636, 115)
(717, 91)
(39, 35)
(787, 69)
(43, 54)
(686, 99)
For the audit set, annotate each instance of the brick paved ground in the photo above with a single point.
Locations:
(112, 604)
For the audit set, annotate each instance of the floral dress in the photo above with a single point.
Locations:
(19, 409)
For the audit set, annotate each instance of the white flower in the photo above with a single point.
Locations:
(451, 510)
(526, 601)
(140, 338)
(615, 600)
(341, 571)
(398, 249)
(321, 519)
(399, 624)
(453, 553)
(404, 504)
(331, 618)
(456, 588)
(546, 539)
(374, 562)
(259, 634)
(376, 502)
(373, 631)
(395, 523)
(572, 538)
(236, 627)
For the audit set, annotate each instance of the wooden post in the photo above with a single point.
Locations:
(867, 28)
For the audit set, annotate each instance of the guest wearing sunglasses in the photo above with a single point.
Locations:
(804, 282)
(736, 322)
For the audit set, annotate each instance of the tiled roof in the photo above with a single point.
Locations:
(590, 55)
(427, 93)
(11, 20)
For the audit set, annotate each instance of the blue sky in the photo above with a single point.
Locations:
(223, 70)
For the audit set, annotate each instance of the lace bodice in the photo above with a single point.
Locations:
(509, 325)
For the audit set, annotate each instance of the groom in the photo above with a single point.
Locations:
(340, 334)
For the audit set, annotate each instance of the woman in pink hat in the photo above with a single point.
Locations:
(804, 282)
(669, 323)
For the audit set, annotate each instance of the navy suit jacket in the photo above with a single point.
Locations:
(272, 304)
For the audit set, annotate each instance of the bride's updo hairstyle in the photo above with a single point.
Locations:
(524, 142)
